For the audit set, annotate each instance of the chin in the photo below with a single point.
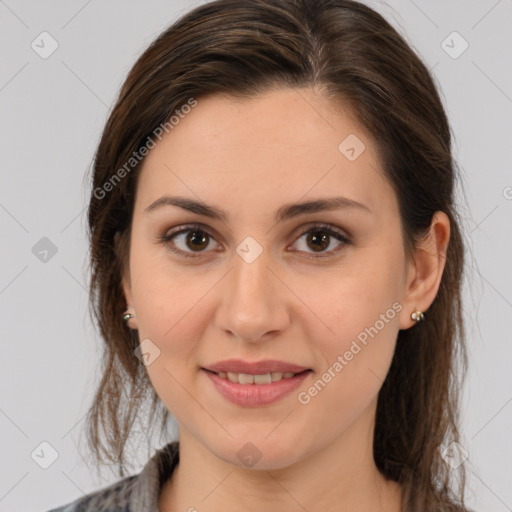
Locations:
(257, 452)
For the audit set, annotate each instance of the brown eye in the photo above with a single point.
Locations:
(192, 241)
(188, 240)
(319, 238)
(197, 240)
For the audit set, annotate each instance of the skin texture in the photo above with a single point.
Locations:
(249, 158)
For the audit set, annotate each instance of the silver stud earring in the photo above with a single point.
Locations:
(127, 316)
(417, 316)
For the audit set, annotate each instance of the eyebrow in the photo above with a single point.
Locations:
(286, 211)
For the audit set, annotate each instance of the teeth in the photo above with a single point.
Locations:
(245, 378)
(261, 379)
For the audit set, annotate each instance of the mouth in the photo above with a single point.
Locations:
(255, 384)
(257, 379)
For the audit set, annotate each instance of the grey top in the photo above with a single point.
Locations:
(135, 493)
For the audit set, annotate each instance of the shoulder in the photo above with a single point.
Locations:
(132, 493)
(112, 498)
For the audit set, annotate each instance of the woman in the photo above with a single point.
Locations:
(276, 261)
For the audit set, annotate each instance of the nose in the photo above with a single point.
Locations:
(253, 306)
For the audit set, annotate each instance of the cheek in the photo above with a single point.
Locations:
(170, 315)
(354, 297)
(173, 308)
(359, 310)
(363, 313)
(166, 296)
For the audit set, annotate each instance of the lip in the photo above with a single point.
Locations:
(255, 395)
(254, 368)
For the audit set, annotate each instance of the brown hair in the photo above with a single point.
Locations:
(352, 54)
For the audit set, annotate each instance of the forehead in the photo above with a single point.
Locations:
(287, 142)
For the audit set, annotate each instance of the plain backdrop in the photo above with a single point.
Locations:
(52, 111)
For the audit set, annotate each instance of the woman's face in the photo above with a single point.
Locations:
(314, 287)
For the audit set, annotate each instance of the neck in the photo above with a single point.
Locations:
(342, 476)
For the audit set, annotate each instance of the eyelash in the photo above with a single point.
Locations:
(325, 228)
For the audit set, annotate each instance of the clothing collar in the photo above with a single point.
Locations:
(148, 485)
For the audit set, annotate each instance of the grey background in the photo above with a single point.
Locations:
(51, 115)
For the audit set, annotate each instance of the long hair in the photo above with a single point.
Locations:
(352, 55)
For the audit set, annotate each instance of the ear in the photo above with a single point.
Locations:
(425, 270)
(121, 248)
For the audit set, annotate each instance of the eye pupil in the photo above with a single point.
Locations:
(319, 242)
(198, 236)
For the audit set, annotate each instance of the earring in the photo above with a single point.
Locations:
(127, 316)
(417, 316)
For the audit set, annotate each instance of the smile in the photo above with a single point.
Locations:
(248, 390)
(247, 378)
